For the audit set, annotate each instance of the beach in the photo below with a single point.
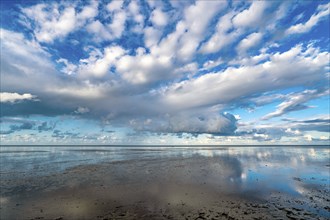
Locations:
(204, 182)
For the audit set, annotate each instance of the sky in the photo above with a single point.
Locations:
(165, 72)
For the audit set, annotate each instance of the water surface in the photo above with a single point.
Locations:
(262, 169)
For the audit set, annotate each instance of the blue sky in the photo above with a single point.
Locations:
(165, 72)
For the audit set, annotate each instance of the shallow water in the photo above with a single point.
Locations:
(249, 169)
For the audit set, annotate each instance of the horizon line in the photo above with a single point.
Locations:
(165, 145)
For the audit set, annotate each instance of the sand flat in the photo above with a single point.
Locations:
(206, 184)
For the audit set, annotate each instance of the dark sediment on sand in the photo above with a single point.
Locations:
(191, 188)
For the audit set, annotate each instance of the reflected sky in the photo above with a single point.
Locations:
(262, 169)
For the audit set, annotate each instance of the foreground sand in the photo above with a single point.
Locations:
(192, 188)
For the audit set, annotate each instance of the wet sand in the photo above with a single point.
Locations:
(194, 187)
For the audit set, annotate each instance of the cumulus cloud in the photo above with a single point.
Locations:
(211, 64)
(159, 18)
(103, 31)
(195, 24)
(164, 68)
(15, 97)
(230, 85)
(69, 68)
(98, 63)
(248, 42)
(322, 13)
(27, 68)
(143, 68)
(222, 36)
(52, 21)
(137, 17)
(117, 102)
(251, 16)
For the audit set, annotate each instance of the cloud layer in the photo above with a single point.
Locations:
(165, 67)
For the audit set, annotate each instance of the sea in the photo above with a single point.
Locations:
(275, 168)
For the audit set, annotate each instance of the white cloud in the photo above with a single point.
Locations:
(164, 85)
(190, 69)
(133, 7)
(159, 18)
(88, 12)
(232, 25)
(100, 31)
(183, 42)
(112, 30)
(287, 130)
(134, 12)
(117, 27)
(251, 16)
(322, 11)
(212, 63)
(221, 37)
(23, 59)
(151, 37)
(115, 5)
(324, 138)
(96, 66)
(250, 41)
(143, 68)
(250, 60)
(25, 66)
(15, 97)
(82, 110)
(265, 99)
(308, 137)
(296, 102)
(292, 131)
(231, 84)
(195, 25)
(68, 68)
(80, 92)
(52, 22)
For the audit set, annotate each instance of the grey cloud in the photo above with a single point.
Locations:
(77, 136)
(264, 134)
(19, 124)
(131, 96)
(25, 125)
(318, 120)
(60, 134)
(290, 128)
(82, 110)
(46, 126)
(180, 107)
(33, 108)
(296, 102)
(6, 132)
(211, 123)
(317, 124)
(264, 99)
